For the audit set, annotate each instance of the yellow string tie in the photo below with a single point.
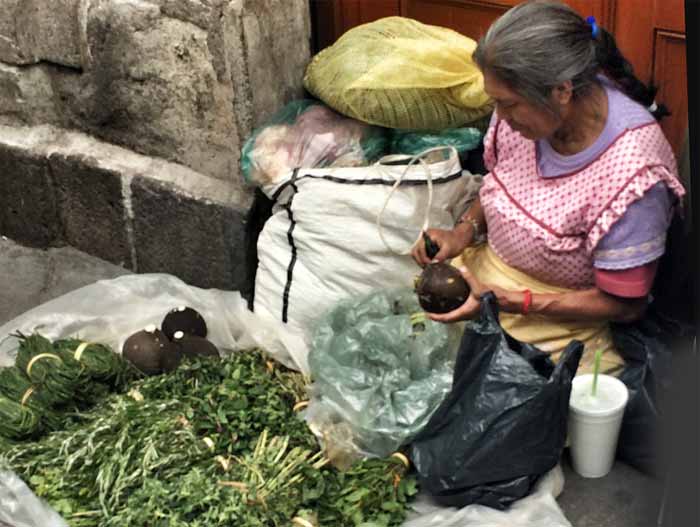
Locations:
(27, 395)
(80, 349)
(38, 357)
(300, 405)
(402, 458)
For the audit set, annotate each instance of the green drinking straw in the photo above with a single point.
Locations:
(596, 369)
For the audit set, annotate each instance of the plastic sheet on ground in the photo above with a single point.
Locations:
(539, 509)
(19, 506)
(110, 310)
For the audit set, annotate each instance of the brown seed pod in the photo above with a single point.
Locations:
(145, 349)
(184, 319)
(441, 288)
(193, 346)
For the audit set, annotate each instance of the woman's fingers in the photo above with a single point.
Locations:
(466, 311)
(418, 253)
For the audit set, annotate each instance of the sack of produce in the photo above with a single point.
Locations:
(342, 232)
(308, 134)
(503, 425)
(413, 142)
(382, 367)
(399, 73)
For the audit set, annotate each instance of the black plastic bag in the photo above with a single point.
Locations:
(646, 347)
(504, 423)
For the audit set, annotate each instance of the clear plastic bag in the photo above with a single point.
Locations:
(308, 134)
(20, 507)
(380, 366)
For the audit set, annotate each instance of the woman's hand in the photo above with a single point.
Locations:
(451, 244)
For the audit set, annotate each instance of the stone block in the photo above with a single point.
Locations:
(200, 241)
(10, 50)
(152, 88)
(268, 47)
(26, 95)
(52, 31)
(91, 207)
(28, 208)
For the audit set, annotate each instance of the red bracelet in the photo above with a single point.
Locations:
(527, 302)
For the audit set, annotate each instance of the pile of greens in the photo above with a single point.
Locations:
(214, 443)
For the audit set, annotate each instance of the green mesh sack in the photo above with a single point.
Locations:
(308, 134)
(382, 367)
(399, 73)
(414, 142)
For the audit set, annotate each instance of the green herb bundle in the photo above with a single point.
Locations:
(97, 361)
(37, 359)
(17, 421)
(15, 386)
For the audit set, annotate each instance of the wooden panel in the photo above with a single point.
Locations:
(332, 18)
(602, 10)
(670, 75)
(473, 17)
(357, 12)
(635, 35)
(670, 15)
(325, 21)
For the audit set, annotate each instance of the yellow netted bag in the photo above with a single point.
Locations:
(399, 73)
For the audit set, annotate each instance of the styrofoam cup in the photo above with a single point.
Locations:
(594, 423)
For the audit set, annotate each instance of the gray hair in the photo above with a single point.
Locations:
(537, 46)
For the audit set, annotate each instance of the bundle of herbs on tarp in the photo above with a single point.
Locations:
(212, 443)
(52, 381)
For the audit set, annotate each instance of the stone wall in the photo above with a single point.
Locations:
(121, 124)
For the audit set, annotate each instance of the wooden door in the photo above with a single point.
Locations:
(473, 17)
(652, 36)
(332, 18)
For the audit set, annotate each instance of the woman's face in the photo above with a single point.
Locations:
(530, 121)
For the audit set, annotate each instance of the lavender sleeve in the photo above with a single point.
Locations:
(639, 237)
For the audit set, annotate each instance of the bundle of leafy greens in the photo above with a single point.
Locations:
(17, 421)
(43, 367)
(55, 380)
(214, 443)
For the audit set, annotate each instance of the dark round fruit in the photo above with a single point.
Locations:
(441, 288)
(184, 319)
(170, 358)
(144, 349)
(192, 346)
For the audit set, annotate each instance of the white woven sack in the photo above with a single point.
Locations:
(322, 244)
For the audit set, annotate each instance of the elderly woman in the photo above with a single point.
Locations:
(581, 188)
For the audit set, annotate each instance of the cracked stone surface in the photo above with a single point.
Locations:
(183, 80)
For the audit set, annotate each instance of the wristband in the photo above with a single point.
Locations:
(472, 222)
(527, 301)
